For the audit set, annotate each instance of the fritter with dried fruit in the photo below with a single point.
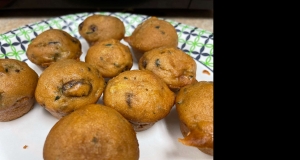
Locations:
(140, 96)
(110, 57)
(68, 85)
(153, 33)
(18, 83)
(175, 67)
(97, 28)
(51, 46)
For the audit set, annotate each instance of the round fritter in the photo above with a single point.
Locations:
(153, 33)
(175, 67)
(51, 46)
(110, 57)
(140, 96)
(18, 83)
(194, 104)
(68, 85)
(97, 28)
(92, 132)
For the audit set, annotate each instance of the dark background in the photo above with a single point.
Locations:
(107, 4)
(187, 8)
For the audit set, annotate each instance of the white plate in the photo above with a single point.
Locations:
(158, 142)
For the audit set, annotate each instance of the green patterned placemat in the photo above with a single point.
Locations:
(194, 41)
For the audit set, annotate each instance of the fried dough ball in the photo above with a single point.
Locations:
(97, 28)
(175, 67)
(93, 132)
(194, 104)
(153, 33)
(18, 83)
(140, 96)
(51, 46)
(68, 85)
(110, 57)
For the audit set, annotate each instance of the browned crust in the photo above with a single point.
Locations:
(21, 107)
(138, 127)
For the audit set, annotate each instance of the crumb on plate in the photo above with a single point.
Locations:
(24, 147)
(206, 72)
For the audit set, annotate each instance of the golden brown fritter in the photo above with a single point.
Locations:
(140, 96)
(110, 57)
(68, 85)
(97, 28)
(18, 83)
(175, 67)
(194, 104)
(51, 46)
(153, 33)
(92, 132)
